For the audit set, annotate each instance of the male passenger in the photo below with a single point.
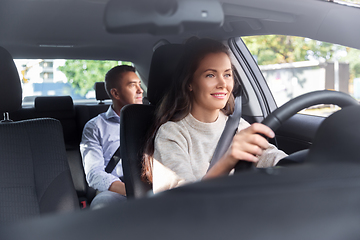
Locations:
(101, 136)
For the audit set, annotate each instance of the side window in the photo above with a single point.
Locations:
(294, 65)
(57, 77)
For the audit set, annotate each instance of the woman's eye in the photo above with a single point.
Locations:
(210, 75)
(227, 75)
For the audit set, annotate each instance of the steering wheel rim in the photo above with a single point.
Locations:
(283, 113)
(280, 115)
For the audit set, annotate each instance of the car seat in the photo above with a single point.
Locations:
(62, 108)
(136, 119)
(34, 176)
(100, 92)
(84, 113)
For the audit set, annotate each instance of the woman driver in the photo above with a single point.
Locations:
(191, 119)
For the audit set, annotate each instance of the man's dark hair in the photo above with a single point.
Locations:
(113, 75)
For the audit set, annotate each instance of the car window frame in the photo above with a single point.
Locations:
(260, 91)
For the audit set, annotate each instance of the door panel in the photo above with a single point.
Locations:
(297, 133)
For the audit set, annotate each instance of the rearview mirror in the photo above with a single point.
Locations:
(162, 16)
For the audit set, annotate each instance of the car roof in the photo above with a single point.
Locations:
(75, 29)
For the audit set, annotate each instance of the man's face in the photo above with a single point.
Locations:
(129, 90)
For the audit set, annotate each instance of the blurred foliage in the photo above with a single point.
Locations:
(352, 1)
(353, 58)
(82, 74)
(273, 49)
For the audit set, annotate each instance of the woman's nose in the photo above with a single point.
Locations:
(221, 81)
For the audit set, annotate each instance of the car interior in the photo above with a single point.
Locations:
(312, 194)
(45, 186)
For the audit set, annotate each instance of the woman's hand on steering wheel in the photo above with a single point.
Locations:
(249, 143)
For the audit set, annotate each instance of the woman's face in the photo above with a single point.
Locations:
(212, 83)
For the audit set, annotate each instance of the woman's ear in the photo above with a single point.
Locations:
(190, 88)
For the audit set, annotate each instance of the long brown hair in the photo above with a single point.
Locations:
(177, 103)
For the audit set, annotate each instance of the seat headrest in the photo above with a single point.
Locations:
(163, 64)
(54, 104)
(337, 139)
(100, 91)
(10, 85)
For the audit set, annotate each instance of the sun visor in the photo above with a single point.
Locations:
(162, 16)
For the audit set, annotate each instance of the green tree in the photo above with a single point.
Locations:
(272, 49)
(82, 74)
(353, 58)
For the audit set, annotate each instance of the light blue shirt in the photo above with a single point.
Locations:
(100, 140)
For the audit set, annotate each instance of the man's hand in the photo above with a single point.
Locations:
(118, 187)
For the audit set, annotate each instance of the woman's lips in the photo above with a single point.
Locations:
(219, 95)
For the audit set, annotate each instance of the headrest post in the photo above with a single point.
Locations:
(6, 117)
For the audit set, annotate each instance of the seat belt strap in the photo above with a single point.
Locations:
(114, 160)
(228, 133)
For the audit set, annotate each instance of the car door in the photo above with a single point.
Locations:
(296, 133)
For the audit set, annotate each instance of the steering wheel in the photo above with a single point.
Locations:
(283, 113)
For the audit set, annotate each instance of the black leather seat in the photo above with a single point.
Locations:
(34, 176)
(135, 120)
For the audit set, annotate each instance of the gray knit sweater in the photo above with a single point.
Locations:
(183, 151)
